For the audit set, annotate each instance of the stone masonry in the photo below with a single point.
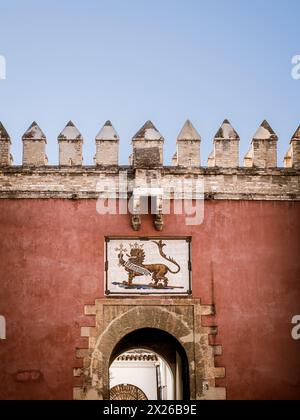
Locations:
(263, 152)
(70, 146)
(5, 143)
(292, 158)
(149, 137)
(226, 148)
(107, 146)
(187, 319)
(34, 147)
(188, 147)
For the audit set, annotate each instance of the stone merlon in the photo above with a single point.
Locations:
(3, 133)
(5, 143)
(148, 137)
(70, 146)
(34, 147)
(107, 146)
(292, 158)
(188, 147)
(226, 148)
(263, 151)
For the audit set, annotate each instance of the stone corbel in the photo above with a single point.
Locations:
(156, 195)
(158, 216)
(159, 222)
(136, 220)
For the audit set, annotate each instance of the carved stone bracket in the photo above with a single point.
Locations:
(156, 195)
(136, 222)
(159, 222)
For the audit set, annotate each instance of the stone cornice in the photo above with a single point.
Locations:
(51, 182)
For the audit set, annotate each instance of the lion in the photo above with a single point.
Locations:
(135, 266)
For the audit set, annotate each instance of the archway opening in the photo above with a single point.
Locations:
(153, 361)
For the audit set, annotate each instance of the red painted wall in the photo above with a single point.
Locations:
(51, 265)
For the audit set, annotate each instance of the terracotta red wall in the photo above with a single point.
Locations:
(51, 265)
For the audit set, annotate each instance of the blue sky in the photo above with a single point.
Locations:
(134, 60)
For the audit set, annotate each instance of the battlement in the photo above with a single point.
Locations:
(258, 179)
(148, 148)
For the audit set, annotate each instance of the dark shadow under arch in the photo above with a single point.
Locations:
(160, 342)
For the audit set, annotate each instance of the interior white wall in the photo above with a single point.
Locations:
(143, 374)
(140, 374)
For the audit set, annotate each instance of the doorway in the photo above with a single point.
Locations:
(153, 361)
(172, 328)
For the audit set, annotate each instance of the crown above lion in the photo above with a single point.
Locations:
(136, 246)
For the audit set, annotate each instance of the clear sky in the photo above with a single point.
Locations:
(134, 60)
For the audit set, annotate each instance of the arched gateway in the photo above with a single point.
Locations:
(121, 325)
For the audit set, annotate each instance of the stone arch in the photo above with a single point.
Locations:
(136, 319)
(181, 318)
(140, 318)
